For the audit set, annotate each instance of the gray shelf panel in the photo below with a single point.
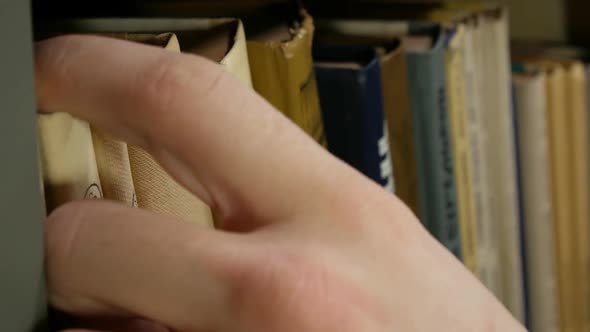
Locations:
(22, 282)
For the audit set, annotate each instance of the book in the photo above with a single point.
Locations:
(396, 98)
(114, 168)
(396, 95)
(569, 153)
(562, 195)
(282, 72)
(487, 248)
(502, 182)
(351, 97)
(428, 91)
(458, 115)
(220, 40)
(430, 123)
(535, 164)
(494, 174)
(576, 100)
(67, 160)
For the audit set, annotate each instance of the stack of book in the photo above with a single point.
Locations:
(490, 153)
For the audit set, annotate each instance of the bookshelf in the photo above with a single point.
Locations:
(22, 295)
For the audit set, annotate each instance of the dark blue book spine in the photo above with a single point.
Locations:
(351, 99)
(438, 196)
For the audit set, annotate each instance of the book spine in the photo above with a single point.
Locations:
(283, 74)
(562, 199)
(488, 269)
(435, 154)
(454, 58)
(578, 130)
(352, 105)
(503, 181)
(401, 129)
(376, 150)
(533, 140)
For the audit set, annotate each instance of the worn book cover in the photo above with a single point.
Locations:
(282, 72)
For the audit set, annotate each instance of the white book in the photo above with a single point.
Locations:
(502, 177)
(535, 163)
(475, 78)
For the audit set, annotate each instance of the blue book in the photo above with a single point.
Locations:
(428, 91)
(351, 99)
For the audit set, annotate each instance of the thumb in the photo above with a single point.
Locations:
(108, 260)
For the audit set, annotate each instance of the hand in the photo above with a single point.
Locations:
(307, 243)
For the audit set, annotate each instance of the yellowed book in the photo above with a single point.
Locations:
(282, 72)
(396, 99)
(456, 87)
(67, 160)
(156, 190)
(561, 154)
(576, 100)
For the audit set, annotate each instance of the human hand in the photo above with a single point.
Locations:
(307, 243)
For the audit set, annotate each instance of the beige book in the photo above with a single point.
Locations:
(533, 138)
(221, 40)
(156, 190)
(560, 155)
(576, 100)
(236, 59)
(67, 158)
(456, 87)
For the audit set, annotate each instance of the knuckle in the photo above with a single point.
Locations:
(160, 83)
(282, 276)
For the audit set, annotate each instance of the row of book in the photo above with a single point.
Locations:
(423, 103)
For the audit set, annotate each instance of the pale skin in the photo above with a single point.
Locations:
(307, 244)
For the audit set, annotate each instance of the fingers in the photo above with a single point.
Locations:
(213, 134)
(104, 259)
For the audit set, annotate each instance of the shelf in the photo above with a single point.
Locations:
(22, 282)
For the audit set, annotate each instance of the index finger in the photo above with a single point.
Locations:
(213, 134)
